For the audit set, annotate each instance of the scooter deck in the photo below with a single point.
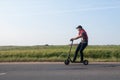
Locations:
(77, 62)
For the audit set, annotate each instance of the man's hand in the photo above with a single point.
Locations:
(71, 39)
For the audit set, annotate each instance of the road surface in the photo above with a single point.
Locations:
(59, 71)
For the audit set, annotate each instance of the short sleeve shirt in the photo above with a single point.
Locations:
(84, 37)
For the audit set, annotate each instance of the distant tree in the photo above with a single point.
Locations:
(46, 45)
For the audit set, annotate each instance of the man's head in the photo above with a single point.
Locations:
(79, 27)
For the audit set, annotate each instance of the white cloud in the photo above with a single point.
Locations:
(88, 9)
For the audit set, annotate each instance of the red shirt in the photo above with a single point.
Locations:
(84, 37)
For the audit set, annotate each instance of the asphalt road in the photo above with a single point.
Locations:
(59, 71)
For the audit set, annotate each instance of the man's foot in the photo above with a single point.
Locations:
(81, 61)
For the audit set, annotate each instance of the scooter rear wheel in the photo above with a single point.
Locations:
(85, 62)
(67, 62)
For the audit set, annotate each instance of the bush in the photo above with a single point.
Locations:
(57, 53)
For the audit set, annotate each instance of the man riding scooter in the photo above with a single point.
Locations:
(82, 45)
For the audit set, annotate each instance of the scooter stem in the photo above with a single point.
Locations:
(70, 47)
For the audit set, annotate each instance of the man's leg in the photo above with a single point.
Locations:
(83, 46)
(76, 52)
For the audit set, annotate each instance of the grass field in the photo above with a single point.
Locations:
(57, 53)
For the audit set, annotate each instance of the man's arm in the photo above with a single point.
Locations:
(75, 38)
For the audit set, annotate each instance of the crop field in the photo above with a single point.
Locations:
(107, 53)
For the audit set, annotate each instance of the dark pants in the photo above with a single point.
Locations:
(80, 48)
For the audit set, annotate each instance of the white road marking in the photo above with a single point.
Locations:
(2, 74)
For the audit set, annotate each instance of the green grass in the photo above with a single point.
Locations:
(56, 53)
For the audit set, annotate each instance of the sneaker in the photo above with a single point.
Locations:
(81, 61)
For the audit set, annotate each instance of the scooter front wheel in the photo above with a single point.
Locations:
(67, 62)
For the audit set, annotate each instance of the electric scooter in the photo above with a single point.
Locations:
(68, 60)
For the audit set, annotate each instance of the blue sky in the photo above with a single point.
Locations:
(39, 22)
